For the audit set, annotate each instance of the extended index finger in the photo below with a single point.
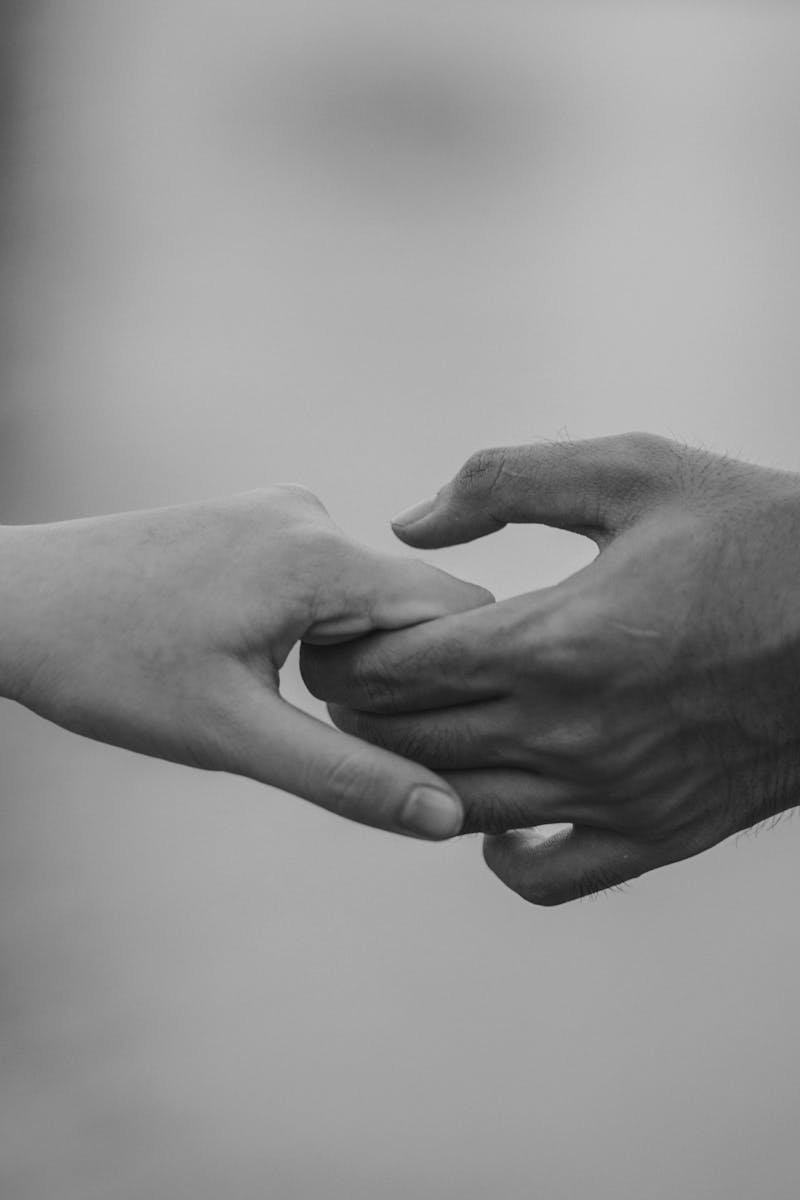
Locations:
(447, 661)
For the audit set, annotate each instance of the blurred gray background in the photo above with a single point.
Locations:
(347, 244)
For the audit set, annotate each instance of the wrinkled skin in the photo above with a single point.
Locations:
(652, 700)
(164, 632)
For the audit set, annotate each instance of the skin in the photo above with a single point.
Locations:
(164, 632)
(652, 699)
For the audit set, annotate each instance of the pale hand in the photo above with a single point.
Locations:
(164, 632)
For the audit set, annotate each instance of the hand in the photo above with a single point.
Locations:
(164, 632)
(652, 699)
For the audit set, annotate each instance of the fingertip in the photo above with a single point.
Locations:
(576, 862)
(415, 514)
(449, 524)
(523, 860)
(429, 591)
(416, 534)
(465, 595)
(432, 812)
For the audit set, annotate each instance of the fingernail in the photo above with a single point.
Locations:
(415, 513)
(433, 813)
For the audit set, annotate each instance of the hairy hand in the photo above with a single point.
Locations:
(164, 632)
(652, 700)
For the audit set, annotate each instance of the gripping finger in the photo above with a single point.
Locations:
(567, 866)
(443, 739)
(452, 660)
(364, 592)
(497, 800)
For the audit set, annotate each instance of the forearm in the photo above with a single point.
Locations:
(21, 589)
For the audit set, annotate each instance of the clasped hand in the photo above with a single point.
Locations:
(164, 632)
(651, 701)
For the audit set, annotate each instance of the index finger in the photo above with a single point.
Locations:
(447, 661)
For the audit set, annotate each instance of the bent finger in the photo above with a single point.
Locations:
(496, 800)
(569, 865)
(592, 487)
(364, 591)
(471, 735)
(452, 660)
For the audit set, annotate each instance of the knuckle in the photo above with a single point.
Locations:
(447, 659)
(292, 501)
(635, 467)
(410, 741)
(481, 471)
(435, 748)
(372, 686)
(409, 738)
(575, 745)
(298, 494)
(644, 448)
(301, 509)
(566, 641)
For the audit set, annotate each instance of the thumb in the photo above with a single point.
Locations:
(567, 866)
(591, 487)
(284, 747)
(367, 592)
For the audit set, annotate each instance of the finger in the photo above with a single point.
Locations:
(497, 800)
(453, 660)
(279, 745)
(363, 591)
(567, 866)
(442, 739)
(593, 487)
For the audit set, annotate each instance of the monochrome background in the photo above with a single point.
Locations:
(346, 244)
